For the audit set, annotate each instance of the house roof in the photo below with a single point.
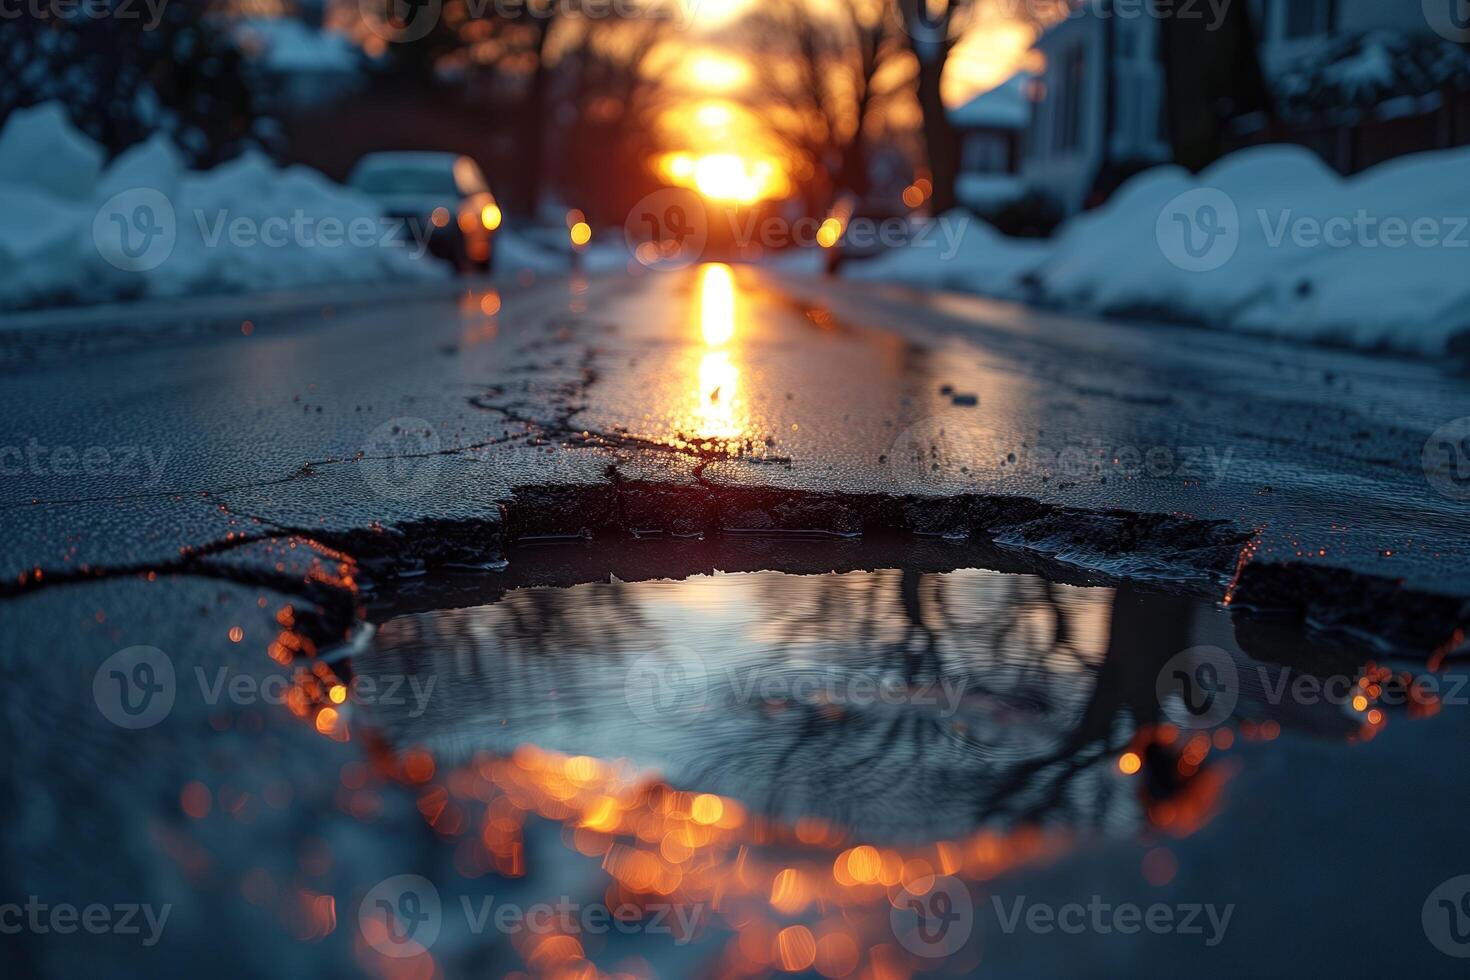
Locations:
(1003, 107)
(285, 44)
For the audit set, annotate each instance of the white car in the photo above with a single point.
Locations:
(445, 193)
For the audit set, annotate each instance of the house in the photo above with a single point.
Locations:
(1097, 107)
(305, 63)
(1363, 81)
(989, 128)
(1357, 81)
(1291, 30)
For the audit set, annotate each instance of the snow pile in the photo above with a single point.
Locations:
(1268, 240)
(961, 252)
(40, 149)
(546, 250)
(72, 231)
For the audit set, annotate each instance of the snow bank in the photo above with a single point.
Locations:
(71, 231)
(545, 250)
(1269, 240)
(957, 251)
(40, 149)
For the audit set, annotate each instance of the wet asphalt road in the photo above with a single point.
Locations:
(183, 492)
(341, 423)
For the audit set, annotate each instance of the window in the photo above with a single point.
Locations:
(986, 153)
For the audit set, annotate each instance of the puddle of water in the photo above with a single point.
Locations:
(801, 758)
(895, 704)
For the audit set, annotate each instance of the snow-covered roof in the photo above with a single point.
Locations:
(1381, 73)
(285, 44)
(1003, 107)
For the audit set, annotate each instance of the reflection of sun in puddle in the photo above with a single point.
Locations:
(661, 845)
(781, 894)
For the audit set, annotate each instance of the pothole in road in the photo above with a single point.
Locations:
(791, 751)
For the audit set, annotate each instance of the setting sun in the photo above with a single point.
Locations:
(728, 177)
(724, 154)
(715, 72)
(716, 13)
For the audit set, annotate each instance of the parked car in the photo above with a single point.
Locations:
(444, 193)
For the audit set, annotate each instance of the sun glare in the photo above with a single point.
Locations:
(716, 304)
(731, 177)
(722, 151)
(726, 177)
(717, 72)
(714, 115)
(986, 57)
(716, 13)
(718, 382)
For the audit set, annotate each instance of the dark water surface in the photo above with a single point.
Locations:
(897, 771)
(664, 759)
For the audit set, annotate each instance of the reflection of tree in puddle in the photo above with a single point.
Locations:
(886, 701)
(895, 704)
(1056, 729)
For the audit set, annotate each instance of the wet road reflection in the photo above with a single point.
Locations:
(881, 701)
(716, 304)
(803, 752)
(716, 413)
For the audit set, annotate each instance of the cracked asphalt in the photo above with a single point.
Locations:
(442, 430)
(224, 491)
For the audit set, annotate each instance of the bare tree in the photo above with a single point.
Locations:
(608, 93)
(825, 84)
(933, 28)
(511, 59)
(124, 79)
